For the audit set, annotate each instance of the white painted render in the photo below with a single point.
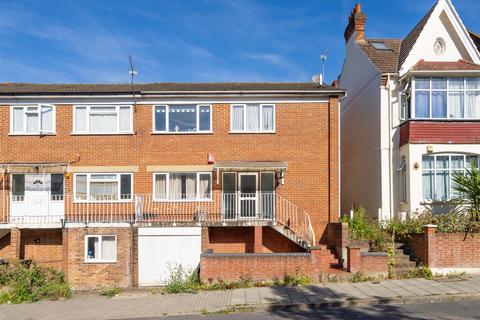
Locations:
(443, 23)
(360, 132)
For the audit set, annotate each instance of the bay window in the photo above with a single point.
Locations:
(252, 118)
(446, 97)
(33, 120)
(182, 119)
(102, 119)
(182, 186)
(93, 187)
(437, 174)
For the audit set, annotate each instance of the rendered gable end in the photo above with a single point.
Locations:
(443, 23)
(360, 131)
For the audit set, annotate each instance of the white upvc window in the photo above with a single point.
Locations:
(102, 119)
(446, 97)
(103, 187)
(101, 248)
(182, 186)
(252, 118)
(32, 120)
(182, 118)
(437, 174)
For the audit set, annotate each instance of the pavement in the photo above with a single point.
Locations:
(149, 304)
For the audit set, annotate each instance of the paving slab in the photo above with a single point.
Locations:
(268, 295)
(238, 297)
(353, 290)
(399, 290)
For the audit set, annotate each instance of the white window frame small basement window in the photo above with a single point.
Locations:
(100, 258)
(84, 127)
(23, 112)
(245, 124)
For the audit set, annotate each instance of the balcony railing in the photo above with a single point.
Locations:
(216, 207)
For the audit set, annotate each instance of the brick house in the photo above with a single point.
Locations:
(411, 115)
(113, 183)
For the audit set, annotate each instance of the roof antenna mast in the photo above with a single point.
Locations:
(324, 57)
(132, 74)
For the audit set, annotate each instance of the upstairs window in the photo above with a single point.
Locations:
(437, 174)
(252, 118)
(103, 187)
(102, 119)
(33, 120)
(447, 97)
(182, 119)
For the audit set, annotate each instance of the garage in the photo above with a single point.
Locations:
(161, 248)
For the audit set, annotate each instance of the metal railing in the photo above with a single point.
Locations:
(216, 206)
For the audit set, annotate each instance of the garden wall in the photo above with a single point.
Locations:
(444, 252)
(358, 261)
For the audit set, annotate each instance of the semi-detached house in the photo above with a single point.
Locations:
(411, 116)
(113, 184)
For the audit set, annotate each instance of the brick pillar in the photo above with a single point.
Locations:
(15, 243)
(134, 257)
(257, 239)
(205, 239)
(65, 252)
(430, 231)
(354, 259)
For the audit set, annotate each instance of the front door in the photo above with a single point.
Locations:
(248, 195)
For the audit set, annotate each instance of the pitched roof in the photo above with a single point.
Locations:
(386, 61)
(460, 65)
(163, 88)
(411, 38)
(476, 38)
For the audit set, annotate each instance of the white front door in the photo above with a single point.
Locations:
(248, 195)
(37, 198)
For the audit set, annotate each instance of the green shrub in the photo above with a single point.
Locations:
(182, 280)
(297, 280)
(363, 227)
(110, 292)
(21, 284)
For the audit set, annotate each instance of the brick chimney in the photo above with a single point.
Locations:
(356, 24)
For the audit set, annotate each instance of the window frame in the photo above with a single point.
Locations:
(167, 119)
(100, 237)
(167, 187)
(40, 131)
(450, 170)
(89, 180)
(87, 125)
(447, 90)
(261, 106)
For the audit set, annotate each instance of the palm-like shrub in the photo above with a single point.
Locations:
(468, 186)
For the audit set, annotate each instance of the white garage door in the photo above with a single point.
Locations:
(161, 248)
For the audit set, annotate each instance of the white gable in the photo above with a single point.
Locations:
(444, 28)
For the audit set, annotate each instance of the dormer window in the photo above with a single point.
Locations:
(446, 97)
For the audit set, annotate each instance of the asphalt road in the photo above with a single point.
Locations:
(430, 311)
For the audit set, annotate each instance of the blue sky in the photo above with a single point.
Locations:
(54, 41)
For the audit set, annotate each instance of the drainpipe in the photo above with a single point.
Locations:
(390, 146)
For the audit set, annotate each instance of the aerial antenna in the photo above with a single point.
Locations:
(324, 57)
(132, 74)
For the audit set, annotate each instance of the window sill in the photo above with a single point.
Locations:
(252, 132)
(100, 261)
(33, 134)
(174, 133)
(106, 201)
(103, 134)
(183, 201)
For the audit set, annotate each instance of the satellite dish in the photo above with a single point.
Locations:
(317, 78)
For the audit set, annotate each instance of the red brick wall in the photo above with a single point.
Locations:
(265, 266)
(447, 250)
(43, 246)
(306, 138)
(439, 132)
(241, 240)
(82, 275)
(5, 249)
(366, 261)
